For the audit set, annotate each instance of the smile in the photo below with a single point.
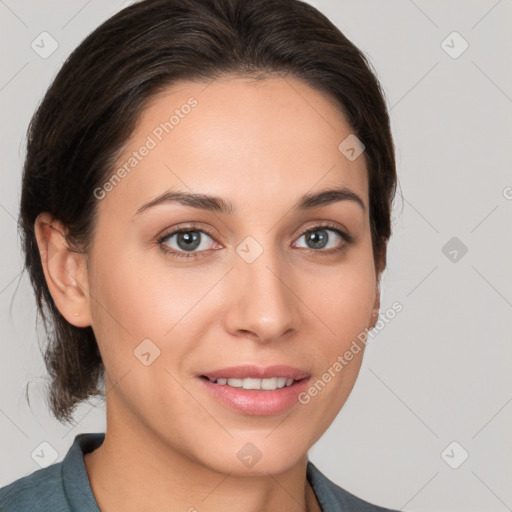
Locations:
(256, 390)
(269, 384)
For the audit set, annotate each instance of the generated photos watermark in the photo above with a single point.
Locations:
(343, 360)
(152, 140)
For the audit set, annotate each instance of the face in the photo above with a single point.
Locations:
(276, 288)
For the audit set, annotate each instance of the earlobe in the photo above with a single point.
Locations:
(376, 305)
(375, 310)
(65, 270)
(381, 263)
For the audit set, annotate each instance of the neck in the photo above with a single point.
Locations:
(135, 470)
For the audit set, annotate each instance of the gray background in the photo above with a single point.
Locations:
(437, 373)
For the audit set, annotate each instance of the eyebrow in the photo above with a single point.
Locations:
(220, 205)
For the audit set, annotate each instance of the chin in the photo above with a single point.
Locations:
(258, 458)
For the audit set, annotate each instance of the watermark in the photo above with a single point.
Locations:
(507, 193)
(454, 45)
(249, 249)
(249, 455)
(44, 45)
(44, 454)
(157, 135)
(351, 147)
(342, 360)
(455, 455)
(454, 249)
(146, 352)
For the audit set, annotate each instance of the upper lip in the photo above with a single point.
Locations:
(257, 372)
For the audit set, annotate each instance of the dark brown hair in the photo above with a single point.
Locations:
(93, 104)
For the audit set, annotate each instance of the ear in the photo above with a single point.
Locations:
(376, 307)
(379, 267)
(65, 270)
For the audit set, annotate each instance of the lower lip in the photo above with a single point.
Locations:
(254, 401)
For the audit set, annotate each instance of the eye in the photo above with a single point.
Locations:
(185, 242)
(322, 237)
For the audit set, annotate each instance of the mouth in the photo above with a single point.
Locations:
(256, 390)
(270, 384)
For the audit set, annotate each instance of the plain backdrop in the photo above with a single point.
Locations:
(427, 427)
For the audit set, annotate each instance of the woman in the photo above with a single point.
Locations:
(205, 211)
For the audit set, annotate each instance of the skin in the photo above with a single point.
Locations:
(261, 145)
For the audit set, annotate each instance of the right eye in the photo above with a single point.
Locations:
(184, 242)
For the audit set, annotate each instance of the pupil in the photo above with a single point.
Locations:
(190, 239)
(317, 241)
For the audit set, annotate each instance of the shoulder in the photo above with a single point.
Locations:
(62, 487)
(42, 490)
(333, 498)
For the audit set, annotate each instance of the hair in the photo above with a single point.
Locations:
(92, 106)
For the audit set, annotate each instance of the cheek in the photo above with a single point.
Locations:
(343, 299)
(135, 309)
(345, 310)
(137, 298)
(134, 296)
(124, 308)
(347, 303)
(343, 296)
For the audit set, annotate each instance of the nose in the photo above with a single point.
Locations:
(262, 305)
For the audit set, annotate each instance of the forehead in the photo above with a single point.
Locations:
(252, 141)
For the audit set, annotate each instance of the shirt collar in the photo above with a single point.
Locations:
(74, 474)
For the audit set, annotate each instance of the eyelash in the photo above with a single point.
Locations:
(192, 228)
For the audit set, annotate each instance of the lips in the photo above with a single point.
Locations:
(257, 372)
(256, 390)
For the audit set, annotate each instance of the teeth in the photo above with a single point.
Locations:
(281, 382)
(269, 384)
(250, 383)
(235, 383)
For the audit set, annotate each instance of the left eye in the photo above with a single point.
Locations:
(318, 237)
(187, 240)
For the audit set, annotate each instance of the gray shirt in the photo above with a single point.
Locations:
(65, 487)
